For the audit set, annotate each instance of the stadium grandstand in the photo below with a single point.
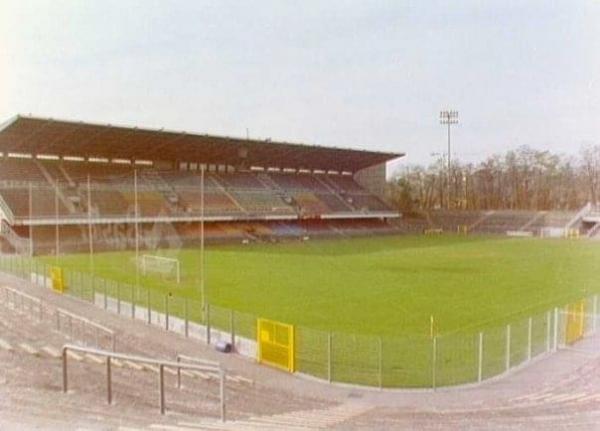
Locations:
(57, 176)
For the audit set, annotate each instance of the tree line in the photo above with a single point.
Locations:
(521, 179)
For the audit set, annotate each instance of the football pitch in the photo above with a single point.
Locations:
(384, 286)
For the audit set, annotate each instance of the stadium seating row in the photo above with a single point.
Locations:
(171, 192)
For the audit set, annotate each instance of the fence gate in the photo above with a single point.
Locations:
(276, 344)
(575, 322)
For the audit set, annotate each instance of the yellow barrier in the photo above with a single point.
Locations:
(575, 322)
(276, 345)
(58, 281)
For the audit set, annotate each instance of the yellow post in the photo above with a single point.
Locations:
(58, 282)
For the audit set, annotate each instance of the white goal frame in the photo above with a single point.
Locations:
(172, 260)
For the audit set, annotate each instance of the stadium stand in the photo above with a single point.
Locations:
(89, 173)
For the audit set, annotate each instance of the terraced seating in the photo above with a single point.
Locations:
(150, 203)
(20, 170)
(239, 181)
(343, 183)
(163, 192)
(43, 202)
(262, 202)
(293, 182)
(110, 203)
(215, 202)
(188, 180)
(450, 220)
(366, 203)
(502, 221)
(310, 204)
(98, 172)
(334, 203)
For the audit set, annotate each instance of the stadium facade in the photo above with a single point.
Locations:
(58, 178)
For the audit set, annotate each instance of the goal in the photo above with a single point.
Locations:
(167, 266)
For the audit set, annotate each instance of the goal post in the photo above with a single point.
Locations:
(162, 265)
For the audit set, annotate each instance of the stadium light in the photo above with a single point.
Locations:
(448, 118)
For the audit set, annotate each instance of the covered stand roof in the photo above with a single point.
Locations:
(70, 138)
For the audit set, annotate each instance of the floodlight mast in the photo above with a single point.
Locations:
(448, 118)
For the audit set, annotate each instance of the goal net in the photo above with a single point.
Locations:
(165, 266)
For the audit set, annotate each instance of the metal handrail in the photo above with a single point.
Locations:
(109, 332)
(144, 360)
(58, 312)
(181, 357)
(31, 299)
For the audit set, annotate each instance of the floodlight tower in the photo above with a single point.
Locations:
(448, 118)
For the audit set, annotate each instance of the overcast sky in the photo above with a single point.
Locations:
(371, 75)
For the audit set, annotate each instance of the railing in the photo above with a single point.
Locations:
(110, 356)
(593, 231)
(5, 209)
(180, 358)
(98, 329)
(24, 302)
(586, 209)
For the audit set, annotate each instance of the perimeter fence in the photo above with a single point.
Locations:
(410, 361)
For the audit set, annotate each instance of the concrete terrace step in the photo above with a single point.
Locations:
(51, 351)
(5, 345)
(28, 348)
(295, 421)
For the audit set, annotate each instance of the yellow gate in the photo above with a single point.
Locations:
(58, 281)
(276, 344)
(575, 322)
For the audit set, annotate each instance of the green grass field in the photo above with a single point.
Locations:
(380, 286)
(384, 287)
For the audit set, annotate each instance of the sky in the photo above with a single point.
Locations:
(367, 75)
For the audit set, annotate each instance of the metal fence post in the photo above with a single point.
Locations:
(178, 373)
(162, 388)
(207, 323)
(529, 329)
(64, 370)
(329, 358)
(548, 329)
(148, 309)
(108, 381)
(167, 312)
(594, 312)
(105, 298)
(380, 363)
(93, 290)
(133, 301)
(222, 395)
(185, 312)
(118, 298)
(507, 359)
(480, 359)
(433, 361)
(555, 329)
(232, 327)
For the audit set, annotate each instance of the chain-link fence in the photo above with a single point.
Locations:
(410, 361)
